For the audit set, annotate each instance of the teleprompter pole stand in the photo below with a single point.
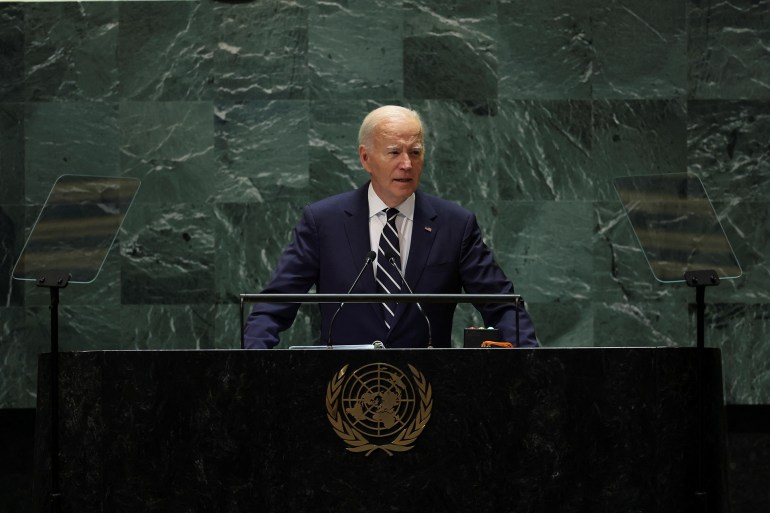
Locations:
(700, 280)
(54, 282)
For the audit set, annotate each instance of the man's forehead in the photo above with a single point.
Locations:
(399, 124)
(393, 135)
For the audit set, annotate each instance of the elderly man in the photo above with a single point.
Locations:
(434, 244)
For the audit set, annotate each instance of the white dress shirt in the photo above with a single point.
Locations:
(378, 220)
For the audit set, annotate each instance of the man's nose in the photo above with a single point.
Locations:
(406, 161)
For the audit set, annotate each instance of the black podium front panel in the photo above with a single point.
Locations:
(539, 430)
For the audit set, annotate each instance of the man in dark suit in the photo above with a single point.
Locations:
(435, 243)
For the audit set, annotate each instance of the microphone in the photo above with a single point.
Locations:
(369, 258)
(392, 261)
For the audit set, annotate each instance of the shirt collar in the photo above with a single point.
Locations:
(376, 205)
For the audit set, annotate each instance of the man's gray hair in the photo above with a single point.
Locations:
(387, 112)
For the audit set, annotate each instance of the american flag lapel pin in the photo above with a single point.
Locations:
(428, 229)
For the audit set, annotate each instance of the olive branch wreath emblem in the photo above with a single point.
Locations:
(356, 440)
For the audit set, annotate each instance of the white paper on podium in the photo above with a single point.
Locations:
(375, 345)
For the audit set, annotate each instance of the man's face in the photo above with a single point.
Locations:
(394, 159)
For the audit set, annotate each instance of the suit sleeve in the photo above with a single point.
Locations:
(480, 274)
(296, 273)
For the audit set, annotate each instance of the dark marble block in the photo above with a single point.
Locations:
(725, 43)
(12, 56)
(261, 50)
(70, 51)
(614, 429)
(165, 50)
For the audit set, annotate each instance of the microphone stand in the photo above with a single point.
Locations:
(369, 258)
(392, 261)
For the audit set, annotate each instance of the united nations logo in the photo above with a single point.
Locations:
(378, 406)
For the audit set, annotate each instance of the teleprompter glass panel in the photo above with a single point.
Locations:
(676, 226)
(76, 227)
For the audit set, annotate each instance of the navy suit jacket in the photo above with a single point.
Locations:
(330, 244)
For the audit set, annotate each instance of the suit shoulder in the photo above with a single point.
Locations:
(445, 207)
(334, 203)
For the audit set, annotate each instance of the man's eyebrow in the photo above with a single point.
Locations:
(398, 146)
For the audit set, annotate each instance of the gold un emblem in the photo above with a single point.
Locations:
(377, 407)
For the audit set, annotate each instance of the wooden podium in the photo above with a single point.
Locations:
(498, 430)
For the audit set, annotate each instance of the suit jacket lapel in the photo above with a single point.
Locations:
(356, 224)
(424, 231)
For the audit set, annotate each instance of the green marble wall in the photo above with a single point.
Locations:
(235, 115)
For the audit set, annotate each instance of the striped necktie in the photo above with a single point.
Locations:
(388, 278)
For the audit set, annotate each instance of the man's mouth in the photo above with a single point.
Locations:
(402, 180)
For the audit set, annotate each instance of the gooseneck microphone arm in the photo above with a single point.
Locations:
(392, 261)
(369, 259)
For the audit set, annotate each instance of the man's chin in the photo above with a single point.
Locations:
(403, 189)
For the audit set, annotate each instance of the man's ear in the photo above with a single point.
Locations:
(363, 155)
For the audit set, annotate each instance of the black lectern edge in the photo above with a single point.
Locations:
(392, 349)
